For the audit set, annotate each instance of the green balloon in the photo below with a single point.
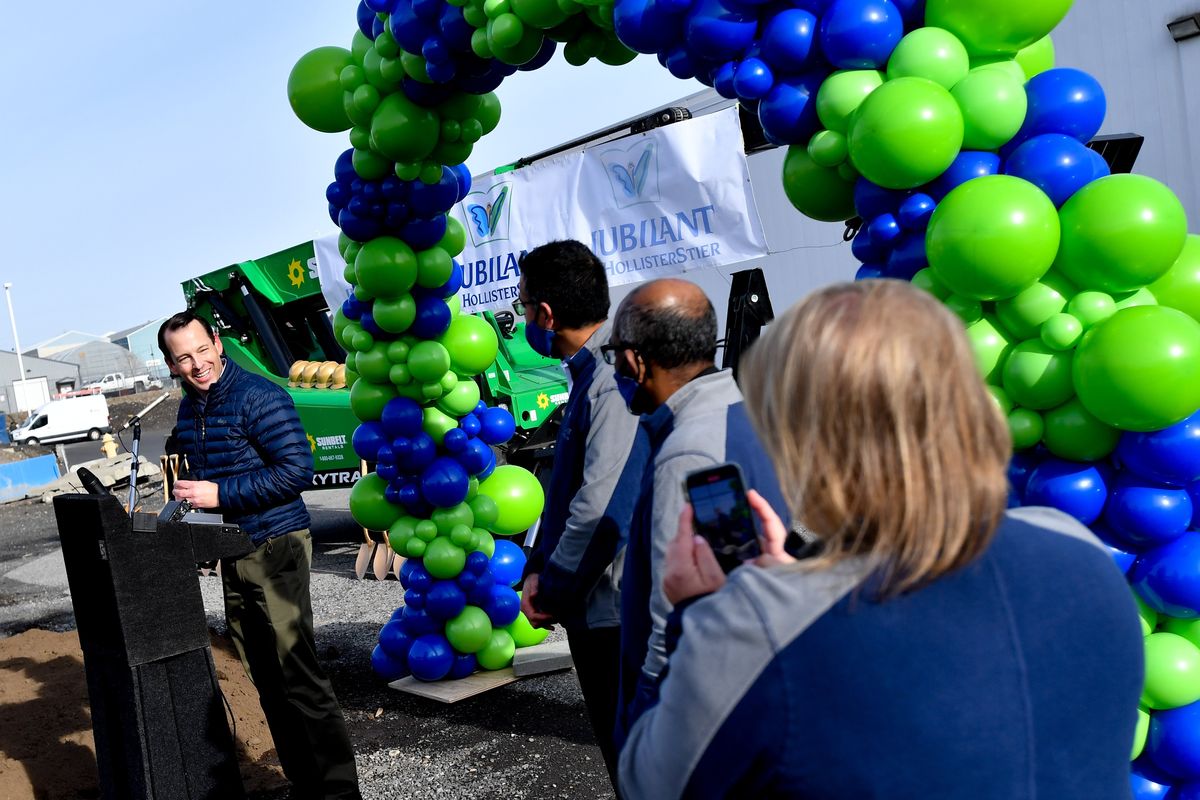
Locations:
(485, 510)
(828, 148)
(498, 653)
(437, 424)
(1172, 672)
(1121, 233)
(539, 13)
(906, 133)
(1026, 427)
(403, 130)
(428, 361)
(434, 267)
(1187, 628)
(1061, 332)
(1023, 313)
(992, 237)
(1037, 57)
(416, 548)
(395, 314)
(997, 26)
(1006, 65)
(386, 267)
(399, 534)
(314, 89)
(520, 52)
(519, 498)
(931, 53)
(1141, 297)
(925, 279)
(470, 631)
(991, 345)
(1139, 370)
(1074, 434)
(1148, 617)
(842, 93)
(616, 54)
(993, 106)
(426, 530)
(1091, 308)
(525, 635)
(485, 543)
(444, 559)
(1180, 287)
(460, 400)
(446, 519)
(455, 238)
(1037, 377)
(472, 344)
(968, 309)
(374, 364)
(817, 192)
(1001, 398)
(368, 505)
(1140, 732)
(368, 399)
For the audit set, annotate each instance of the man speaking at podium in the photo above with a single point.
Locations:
(248, 458)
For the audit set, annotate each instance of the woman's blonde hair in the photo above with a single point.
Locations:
(886, 442)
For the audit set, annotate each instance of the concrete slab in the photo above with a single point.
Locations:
(49, 570)
(542, 658)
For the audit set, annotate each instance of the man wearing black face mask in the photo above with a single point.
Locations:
(573, 573)
(663, 349)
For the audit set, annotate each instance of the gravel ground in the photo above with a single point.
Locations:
(528, 739)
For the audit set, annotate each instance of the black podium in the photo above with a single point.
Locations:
(157, 710)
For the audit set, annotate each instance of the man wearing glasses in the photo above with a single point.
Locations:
(573, 573)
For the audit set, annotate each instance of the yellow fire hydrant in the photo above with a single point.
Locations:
(108, 446)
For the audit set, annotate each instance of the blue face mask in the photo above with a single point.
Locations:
(540, 339)
(635, 397)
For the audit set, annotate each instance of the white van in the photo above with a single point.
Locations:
(65, 420)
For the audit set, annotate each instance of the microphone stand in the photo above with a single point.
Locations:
(136, 422)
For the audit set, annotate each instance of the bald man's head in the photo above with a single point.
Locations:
(670, 322)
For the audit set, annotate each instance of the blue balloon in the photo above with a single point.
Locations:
(454, 283)
(431, 657)
(394, 640)
(872, 200)
(912, 11)
(1168, 577)
(424, 94)
(1073, 488)
(477, 563)
(367, 438)
(406, 568)
(915, 212)
(338, 194)
(753, 79)
(1188, 792)
(544, 54)
(476, 457)
(464, 180)
(860, 34)
(483, 474)
(1170, 456)
(1122, 559)
(409, 30)
(722, 80)
(470, 424)
(414, 453)
(967, 165)
(1173, 743)
(480, 591)
(444, 483)
(868, 272)
(428, 10)
(343, 170)
(1063, 100)
(1100, 168)
(435, 198)
(646, 26)
(387, 668)
(496, 426)
(423, 232)
(908, 258)
(1193, 490)
(788, 114)
(402, 417)
(1057, 164)
(360, 229)
(368, 324)
(1146, 516)
(464, 663)
(1146, 789)
(389, 472)
(787, 40)
(503, 606)
(456, 441)
(717, 30)
(418, 577)
(445, 600)
(417, 623)
(884, 230)
(1020, 467)
(433, 317)
(414, 599)
(507, 562)
(353, 308)
(865, 249)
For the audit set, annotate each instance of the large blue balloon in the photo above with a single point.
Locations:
(507, 562)
(408, 29)
(1173, 743)
(1055, 163)
(908, 258)
(387, 668)
(1122, 559)
(423, 232)
(967, 165)
(367, 438)
(418, 577)
(433, 317)
(1168, 577)
(402, 417)
(646, 26)
(788, 114)
(414, 453)
(394, 640)
(884, 230)
(503, 605)
(718, 31)
(431, 657)
(445, 600)
(872, 200)
(1144, 517)
(1073, 488)
(417, 623)
(1063, 100)
(753, 79)
(1170, 456)
(444, 483)
(435, 198)
(866, 250)
(916, 211)
(860, 34)
(1146, 789)
(464, 663)
(496, 426)
(787, 41)
(414, 599)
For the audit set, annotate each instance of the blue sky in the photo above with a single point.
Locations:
(148, 142)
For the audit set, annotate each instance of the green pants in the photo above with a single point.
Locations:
(269, 610)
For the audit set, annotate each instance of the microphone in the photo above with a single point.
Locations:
(138, 416)
(90, 482)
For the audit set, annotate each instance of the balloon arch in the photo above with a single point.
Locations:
(943, 124)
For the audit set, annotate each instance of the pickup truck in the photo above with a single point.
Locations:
(119, 382)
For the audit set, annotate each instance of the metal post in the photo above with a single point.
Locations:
(13, 320)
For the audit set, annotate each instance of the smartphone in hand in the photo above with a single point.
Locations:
(722, 514)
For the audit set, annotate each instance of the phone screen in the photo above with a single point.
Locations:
(722, 514)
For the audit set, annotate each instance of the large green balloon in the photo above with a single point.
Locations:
(374, 364)
(428, 361)
(460, 400)
(1139, 370)
(1121, 233)
(519, 498)
(992, 237)
(931, 53)
(524, 634)
(444, 559)
(470, 631)
(1180, 286)
(368, 399)
(906, 133)
(395, 314)
(472, 344)
(368, 505)
(817, 192)
(993, 106)
(539, 13)
(498, 653)
(314, 89)
(997, 26)
(403, 130)
(842, 93)
(1037, 377)
(386, 267)
(1037, 57)
(1172, 672)
(991, 345)
(1074, 434)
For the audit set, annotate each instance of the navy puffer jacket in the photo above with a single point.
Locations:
(246, 437)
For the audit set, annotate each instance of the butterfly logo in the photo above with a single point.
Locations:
(633, 174)
(485, 216)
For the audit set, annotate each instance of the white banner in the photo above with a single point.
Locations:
(655, 204)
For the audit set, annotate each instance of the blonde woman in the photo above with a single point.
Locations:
(938, 646)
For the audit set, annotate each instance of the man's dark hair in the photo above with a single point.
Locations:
(569, 278)
(177, 322)
(669, 337)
